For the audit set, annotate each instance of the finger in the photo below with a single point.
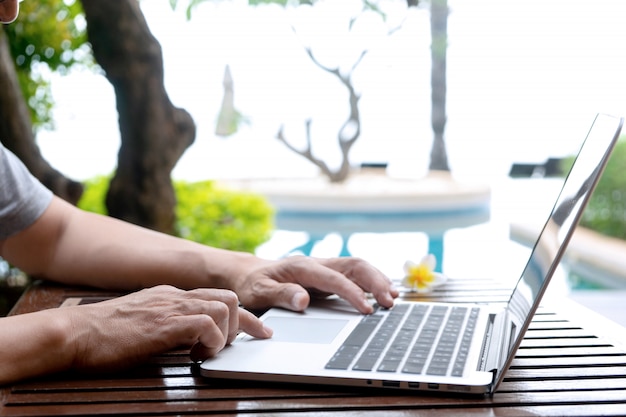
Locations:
(312, 274)
(268, 292)
(367, 277)
(250, 324)
(212, 341)
(203, 334)
(219, 314)
(230, 300)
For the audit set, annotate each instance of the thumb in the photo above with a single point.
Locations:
(286, 295)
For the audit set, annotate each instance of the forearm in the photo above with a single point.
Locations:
(75, 247)
(32, 345)
(122, 332)
(129, 257)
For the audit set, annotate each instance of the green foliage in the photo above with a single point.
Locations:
(49, 35)
(606, 212)
(94, 194)
(205, 213)
(222, 218)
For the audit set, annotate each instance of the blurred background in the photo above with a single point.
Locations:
(522, 85)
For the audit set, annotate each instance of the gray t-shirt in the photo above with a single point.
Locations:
(22, 197)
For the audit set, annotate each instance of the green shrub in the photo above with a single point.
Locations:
(606, 212)
(94, 194)
(222, 218)
(205, 213)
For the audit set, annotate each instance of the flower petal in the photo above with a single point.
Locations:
(408, 266)
(440, 279)
(430, 261)
(421, 277)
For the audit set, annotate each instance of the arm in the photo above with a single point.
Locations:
(122, 332)
(72, 246)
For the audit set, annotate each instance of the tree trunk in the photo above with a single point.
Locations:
(154, 133)
(16, 131)
(438, 51)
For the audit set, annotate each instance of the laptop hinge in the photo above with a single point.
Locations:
(497, 343)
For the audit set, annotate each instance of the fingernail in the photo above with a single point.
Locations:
(299, 301)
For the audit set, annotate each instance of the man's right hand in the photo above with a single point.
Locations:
(126, 330)
(122, 332)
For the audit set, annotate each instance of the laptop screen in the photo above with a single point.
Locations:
(552, 241)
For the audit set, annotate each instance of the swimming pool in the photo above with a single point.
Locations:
(479, 242)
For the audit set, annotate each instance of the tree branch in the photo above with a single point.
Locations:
(345, 136)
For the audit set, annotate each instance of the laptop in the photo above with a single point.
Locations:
(422, 346)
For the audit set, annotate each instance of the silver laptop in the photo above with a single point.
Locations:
(416, 345)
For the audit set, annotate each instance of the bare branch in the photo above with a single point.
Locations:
(351, 128)
(307, 152)
(358, 61)
(334, 71)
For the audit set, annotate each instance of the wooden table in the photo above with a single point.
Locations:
(572, 362)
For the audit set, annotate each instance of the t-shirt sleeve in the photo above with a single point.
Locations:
(22, 197)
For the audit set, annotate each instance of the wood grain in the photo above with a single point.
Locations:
(572, 362)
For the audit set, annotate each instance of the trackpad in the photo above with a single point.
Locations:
(304, 330)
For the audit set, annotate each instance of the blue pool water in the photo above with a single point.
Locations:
(474, 243)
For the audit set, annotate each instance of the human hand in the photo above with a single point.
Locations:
(125, 330)
(289, 282)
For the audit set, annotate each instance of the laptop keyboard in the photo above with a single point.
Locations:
(410, 340)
